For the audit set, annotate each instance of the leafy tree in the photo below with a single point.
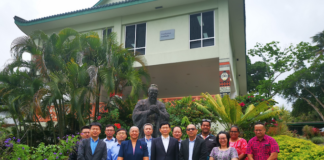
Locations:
(319, 40)
(230, 111)
(280, 61)
(306, 84)
(256, 73)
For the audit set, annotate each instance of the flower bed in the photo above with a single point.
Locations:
(294, 148)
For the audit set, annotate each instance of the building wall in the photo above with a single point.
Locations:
(177, 50)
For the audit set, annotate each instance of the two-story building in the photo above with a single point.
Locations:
(191, 46)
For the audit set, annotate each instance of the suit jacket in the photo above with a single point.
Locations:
(74, 154)
(126, 150)
(85, 153)
(199, 150)
(158, 151)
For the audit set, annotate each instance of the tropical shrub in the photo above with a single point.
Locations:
(183, 112)
(13, 149)
(111, 117)
(310, 132)
(250, 98)
(295, 148)
(318, 140)
(230, 111)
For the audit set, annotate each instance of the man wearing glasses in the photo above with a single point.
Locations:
(210, 140)
(114, 150)
(193, 148)
(85, 134)
(109, 140)
(93, 147)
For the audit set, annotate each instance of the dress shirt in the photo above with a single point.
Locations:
(149, 144)
(180, 143)
(165, 142)
(113, 152)
(191, 147)
(109, 143)
(93, 144)
(262, 149)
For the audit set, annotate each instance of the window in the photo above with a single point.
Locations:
(106, 32)
(202, 30)
(135, 38)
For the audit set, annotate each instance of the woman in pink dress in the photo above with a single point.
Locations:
(238, 143)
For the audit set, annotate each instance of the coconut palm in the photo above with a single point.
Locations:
(231, 113)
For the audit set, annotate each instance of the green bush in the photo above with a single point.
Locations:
(295, 148)
(183, 112)
(318, 140)
(13, 149)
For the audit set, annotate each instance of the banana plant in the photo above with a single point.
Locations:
(230, 111)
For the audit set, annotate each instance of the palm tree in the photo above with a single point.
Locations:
(17, 89)
(111, 66)
(231, 113)
(50, 54)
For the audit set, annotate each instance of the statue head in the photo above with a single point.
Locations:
(153, 93)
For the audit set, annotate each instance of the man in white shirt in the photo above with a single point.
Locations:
(109, 140)
(165, 147)
(148, 131)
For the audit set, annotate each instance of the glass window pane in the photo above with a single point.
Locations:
(195, 26)
(140, 51)
(208, 42)
(208, 24)
(106, 32)
(140, 35)
(130, 37)
(195, 44)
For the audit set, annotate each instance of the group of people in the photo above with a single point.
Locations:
(203, 146)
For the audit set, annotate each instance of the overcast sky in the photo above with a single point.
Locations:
(286, 21)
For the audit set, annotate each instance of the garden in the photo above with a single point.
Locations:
(71, 70)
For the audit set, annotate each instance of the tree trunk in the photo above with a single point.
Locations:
(41, 127)
(53, 124)
(316, 109)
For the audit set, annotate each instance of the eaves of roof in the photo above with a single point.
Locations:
(22, 22)
(98, 3)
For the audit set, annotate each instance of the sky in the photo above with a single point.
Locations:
(286, 21)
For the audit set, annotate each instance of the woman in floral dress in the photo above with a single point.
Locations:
(224, 152)
(238, 143)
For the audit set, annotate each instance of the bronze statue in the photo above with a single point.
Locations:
(150, 110)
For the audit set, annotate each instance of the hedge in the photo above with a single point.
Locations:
(295, 148)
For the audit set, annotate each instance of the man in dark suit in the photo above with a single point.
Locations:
(85, 134)
(193, 148)
(165, 147)
(148, 131)
(93, 148)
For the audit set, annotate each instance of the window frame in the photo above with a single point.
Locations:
(134, 49)
(201, 30)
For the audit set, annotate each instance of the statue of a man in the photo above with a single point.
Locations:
(150, 111)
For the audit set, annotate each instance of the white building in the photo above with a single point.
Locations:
(184, 41)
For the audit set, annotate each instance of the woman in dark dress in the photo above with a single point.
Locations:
(133, 149)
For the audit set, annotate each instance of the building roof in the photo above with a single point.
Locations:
(95, 8)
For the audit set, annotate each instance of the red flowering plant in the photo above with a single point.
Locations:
(111, 117)
(250, 98)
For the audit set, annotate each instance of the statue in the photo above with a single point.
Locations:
(150, 110)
